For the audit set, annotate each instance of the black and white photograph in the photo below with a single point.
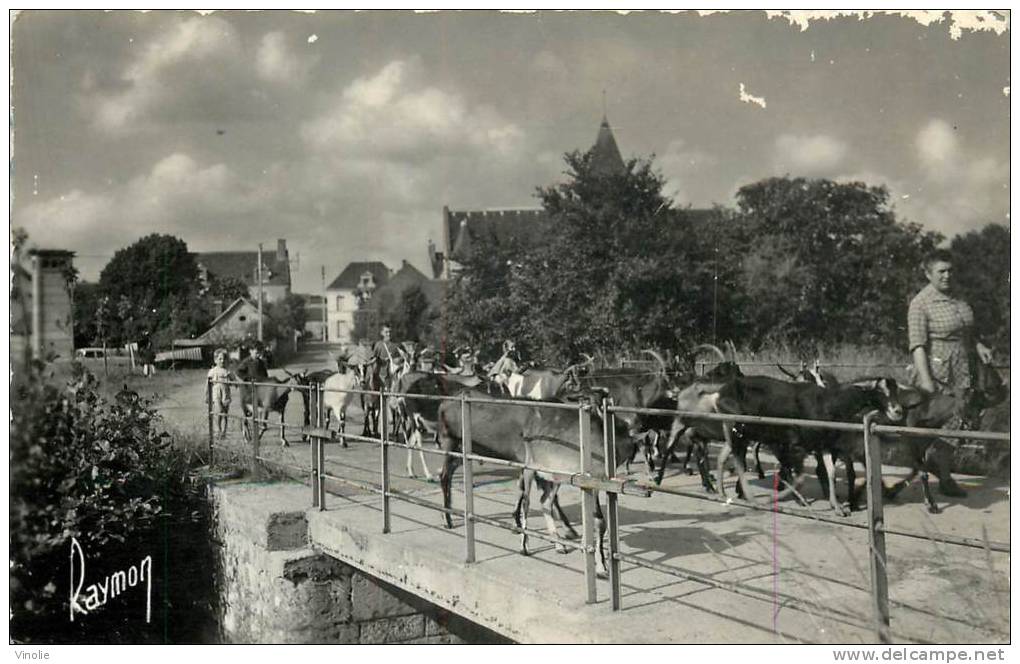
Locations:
(479, 327)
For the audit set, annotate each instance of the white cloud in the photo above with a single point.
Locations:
(275, 61)
(688, 172)
(153, 79)
(177, 196)
(748, 98)
(938, 149)
(809, 155)
(392, 115)
(959, 190)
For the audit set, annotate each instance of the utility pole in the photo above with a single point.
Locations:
(260, 292)
(325, 304)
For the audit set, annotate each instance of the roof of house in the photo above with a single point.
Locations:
(350, 278)
(407, 277)
(244, 265)
(239, 302)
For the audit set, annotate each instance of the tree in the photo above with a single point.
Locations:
(830, 256)
(410, 320)
(981, 265)
(610, 274)
(154, 287)
(227, 289)
(86, 309)
(289, 316)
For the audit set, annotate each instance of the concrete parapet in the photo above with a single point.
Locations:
(275, 588)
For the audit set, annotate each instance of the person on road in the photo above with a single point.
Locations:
(943, 345)
(254, 367)
(945, 354)
(218, 376)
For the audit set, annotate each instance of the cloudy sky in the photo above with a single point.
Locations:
(347, 133)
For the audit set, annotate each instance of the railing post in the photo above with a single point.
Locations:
(587, 503)
(612, 513)
(320, 445)
(385, 452)
(313, 448)
(469, 479)
(876, 531)
(256, 431)
(209, 409)
(319, 409)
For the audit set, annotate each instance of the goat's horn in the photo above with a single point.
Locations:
(658, 358)
(733, 350)
(780, 366)
(712, 347)
(588, 359)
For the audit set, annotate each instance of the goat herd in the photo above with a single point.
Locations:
(506, 424)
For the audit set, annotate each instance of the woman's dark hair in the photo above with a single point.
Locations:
(937, 256)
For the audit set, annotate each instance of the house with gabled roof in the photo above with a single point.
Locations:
(355, 285)
(238, 321)
(244, 265)
(386, 299)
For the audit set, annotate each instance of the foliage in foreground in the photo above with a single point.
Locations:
(100, 471)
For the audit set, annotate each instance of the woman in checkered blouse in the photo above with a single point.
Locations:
(941, 332)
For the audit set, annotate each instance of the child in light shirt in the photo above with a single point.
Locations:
(218, 375)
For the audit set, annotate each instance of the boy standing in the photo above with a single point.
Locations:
(218, 375)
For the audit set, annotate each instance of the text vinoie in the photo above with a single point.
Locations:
(98, 594)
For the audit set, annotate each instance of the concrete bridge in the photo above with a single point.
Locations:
(297, 574)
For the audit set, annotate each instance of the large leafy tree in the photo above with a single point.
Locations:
(613, 273)
(480, 307)
(227, 289)
(824, 262)
(981, 263)
(411, 319)
(153, 287)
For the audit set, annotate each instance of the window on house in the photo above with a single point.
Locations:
(339, 298)
(339, 330)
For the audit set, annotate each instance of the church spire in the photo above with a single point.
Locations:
(605, 158)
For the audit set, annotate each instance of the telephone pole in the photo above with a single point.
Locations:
(260, 293)
(325, 303)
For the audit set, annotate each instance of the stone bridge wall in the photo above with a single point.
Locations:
(275, 588)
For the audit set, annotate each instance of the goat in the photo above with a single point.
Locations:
(337, 396)
(763, 396)
(270, 395)
(804, 375)
(726, 370)
(529, 435)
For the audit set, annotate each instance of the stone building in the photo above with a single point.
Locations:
(42, 305)
(463, 228)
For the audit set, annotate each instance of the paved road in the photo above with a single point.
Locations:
(939, 593)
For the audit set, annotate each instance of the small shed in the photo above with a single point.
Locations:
(238, 321)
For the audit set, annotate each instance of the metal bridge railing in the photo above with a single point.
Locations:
(591, 480)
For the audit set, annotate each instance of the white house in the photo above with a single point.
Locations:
(358, 280)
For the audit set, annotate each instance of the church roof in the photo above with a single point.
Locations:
(606, 158)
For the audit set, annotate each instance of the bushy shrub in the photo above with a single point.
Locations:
(102, 472)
